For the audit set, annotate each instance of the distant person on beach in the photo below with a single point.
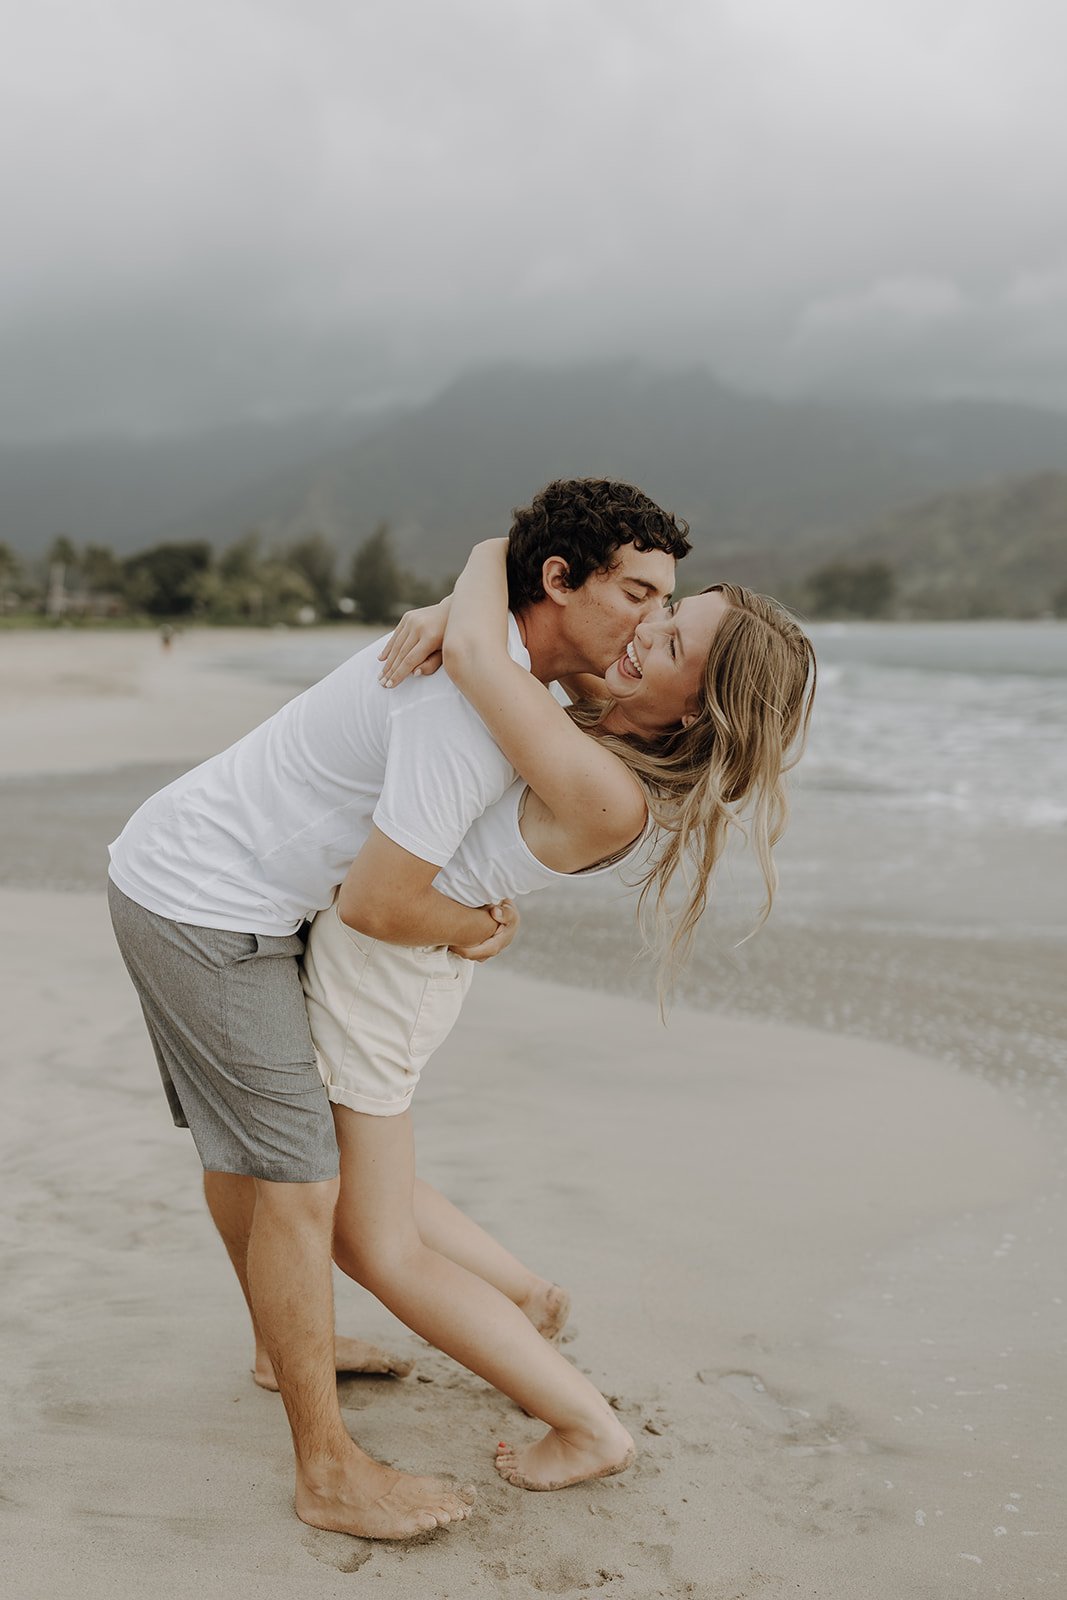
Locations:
(689, 730)
(213, 878)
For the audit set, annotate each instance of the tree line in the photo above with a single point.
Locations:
(869, 589)
(305, 580)
(850, 589)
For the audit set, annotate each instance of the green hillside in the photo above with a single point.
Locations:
(995, 551)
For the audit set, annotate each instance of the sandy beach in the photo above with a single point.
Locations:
(820, 1276)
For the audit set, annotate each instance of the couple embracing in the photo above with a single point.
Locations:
(399, 810)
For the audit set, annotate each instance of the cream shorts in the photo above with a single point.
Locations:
(377, 1012)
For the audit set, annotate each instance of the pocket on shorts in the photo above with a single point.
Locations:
(262, 1004)
(229, 949)
(442, 1000)
(359, 941)
(289, 944)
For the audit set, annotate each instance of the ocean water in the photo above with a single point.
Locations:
(966, 721)
(933, 795)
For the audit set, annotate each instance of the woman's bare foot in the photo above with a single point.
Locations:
(351, 1355)
(548, 1307)
(371, 1501)
(557, 1461)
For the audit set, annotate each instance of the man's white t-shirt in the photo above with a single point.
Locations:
(258, 838)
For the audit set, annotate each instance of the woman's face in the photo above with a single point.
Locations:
(656, 681)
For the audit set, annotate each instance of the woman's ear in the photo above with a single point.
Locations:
(688, 719)
(554, 580)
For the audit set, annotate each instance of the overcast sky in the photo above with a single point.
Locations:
(214, 209)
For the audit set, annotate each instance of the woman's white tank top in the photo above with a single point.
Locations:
(494, 862)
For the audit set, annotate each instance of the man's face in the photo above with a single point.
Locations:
(601, 616)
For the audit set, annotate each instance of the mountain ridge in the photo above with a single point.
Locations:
(769, 485)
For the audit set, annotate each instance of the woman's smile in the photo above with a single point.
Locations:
(629, 665)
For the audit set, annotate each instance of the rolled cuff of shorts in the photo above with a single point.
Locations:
(341, 1096)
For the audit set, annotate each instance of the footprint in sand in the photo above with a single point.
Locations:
(337, 1550)
(756, 1399)
(800, 1433)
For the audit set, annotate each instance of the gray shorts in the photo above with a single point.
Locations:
(226, 1016)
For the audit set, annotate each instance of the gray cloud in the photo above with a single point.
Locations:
(224, 209)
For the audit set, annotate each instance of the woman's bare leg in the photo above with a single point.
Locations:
(448, 1230)
(231, 1199)
(377, 1242)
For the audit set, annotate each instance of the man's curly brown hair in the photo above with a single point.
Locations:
(584, 520)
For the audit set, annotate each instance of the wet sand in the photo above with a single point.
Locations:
(822, 1277)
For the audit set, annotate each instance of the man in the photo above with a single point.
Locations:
(213, 878)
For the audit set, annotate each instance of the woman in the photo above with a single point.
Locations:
(699, 717)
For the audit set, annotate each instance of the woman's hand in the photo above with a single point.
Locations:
(413, 649)
(507, 919)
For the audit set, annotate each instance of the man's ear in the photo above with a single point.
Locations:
(554, 580)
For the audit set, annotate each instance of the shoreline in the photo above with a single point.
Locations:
(993, 1005)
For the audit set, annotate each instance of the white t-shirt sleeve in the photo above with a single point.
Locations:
(443, 768)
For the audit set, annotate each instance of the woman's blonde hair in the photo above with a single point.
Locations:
(755, 707)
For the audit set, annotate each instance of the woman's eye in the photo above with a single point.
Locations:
(674, 653)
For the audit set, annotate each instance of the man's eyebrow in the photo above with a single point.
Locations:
(643, 583)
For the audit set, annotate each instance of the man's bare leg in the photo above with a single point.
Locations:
(290, 1293)
(448, 1230)
(231, 1199)
(377, 1242)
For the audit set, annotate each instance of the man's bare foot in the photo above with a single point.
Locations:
(548, 1307)
(350, 1355)
(555, 1462)
(371, 1501)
